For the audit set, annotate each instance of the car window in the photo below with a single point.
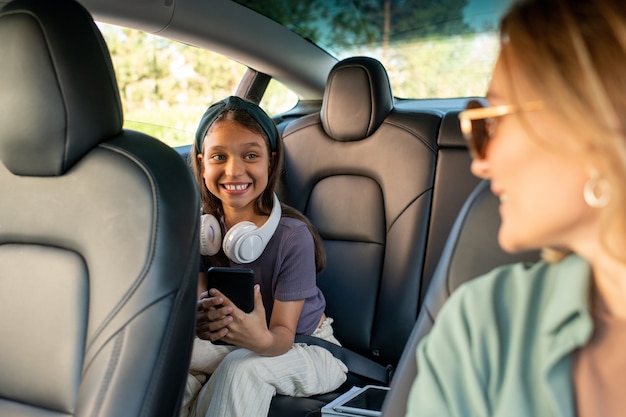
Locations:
(431, 48)
(277, 98)
(166, 86)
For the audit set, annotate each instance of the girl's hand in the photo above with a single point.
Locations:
(218, 318)
(247, 330)
(213, 315)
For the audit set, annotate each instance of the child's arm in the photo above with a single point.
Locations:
(251, 331)
(283, 323)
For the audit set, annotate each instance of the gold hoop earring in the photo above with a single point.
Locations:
(597, 191)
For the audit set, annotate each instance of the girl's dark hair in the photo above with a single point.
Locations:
(213, 205)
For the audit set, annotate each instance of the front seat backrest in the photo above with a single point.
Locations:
(98, 231)
(471, 250)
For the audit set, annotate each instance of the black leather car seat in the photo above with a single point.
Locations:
(471, 250)
(363, 172)
(98, 232)
(454, 183)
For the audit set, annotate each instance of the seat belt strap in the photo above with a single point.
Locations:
(356, 363)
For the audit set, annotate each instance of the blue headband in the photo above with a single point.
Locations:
(235, 103)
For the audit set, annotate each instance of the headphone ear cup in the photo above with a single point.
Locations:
(210, 235)
(245, 242)
(241, 244)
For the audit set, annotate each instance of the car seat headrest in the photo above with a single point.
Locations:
(57, 102)
(356, 100)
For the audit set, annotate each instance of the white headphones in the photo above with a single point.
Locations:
(244, 242)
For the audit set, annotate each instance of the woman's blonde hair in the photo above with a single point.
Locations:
(574, 54)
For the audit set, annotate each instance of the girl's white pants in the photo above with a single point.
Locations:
(243, 383)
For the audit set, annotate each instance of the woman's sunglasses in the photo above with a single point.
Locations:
(478, 123)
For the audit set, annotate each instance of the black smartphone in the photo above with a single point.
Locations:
(235, 283)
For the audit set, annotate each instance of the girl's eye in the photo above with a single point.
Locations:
(218, 157)
(251, 156)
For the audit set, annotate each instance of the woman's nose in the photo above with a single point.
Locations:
(480, 168)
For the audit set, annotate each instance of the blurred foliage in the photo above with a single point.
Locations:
(457, 66)
(153, 71)
(166, 86)
(340, 25)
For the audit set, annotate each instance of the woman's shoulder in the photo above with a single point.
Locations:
(517, 290)
(526, 277)
(512, 278)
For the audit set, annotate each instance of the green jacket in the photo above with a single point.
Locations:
(502, 344)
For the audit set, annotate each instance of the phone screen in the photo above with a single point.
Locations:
(235, 283)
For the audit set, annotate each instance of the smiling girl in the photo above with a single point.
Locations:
(237, 162)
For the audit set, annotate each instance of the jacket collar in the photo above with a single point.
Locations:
(570, 280)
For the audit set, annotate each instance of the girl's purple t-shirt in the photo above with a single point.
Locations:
(286, 272)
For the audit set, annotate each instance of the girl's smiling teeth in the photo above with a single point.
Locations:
(235, 187)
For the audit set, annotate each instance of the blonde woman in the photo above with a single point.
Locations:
(549, 340)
